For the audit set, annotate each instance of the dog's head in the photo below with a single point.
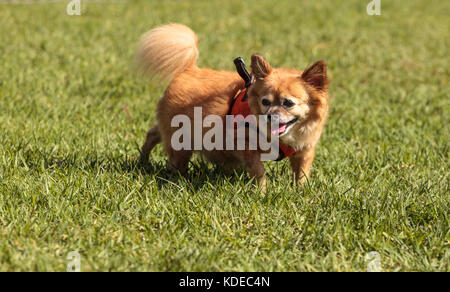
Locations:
(292, 97)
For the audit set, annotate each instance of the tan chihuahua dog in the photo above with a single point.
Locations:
(298, 99)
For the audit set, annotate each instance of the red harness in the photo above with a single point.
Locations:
(239, 106)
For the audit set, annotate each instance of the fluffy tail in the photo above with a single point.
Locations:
(167, 51)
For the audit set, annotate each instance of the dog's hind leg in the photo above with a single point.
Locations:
(178, 161)
(153, 138)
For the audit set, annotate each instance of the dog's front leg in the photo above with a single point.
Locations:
(301, 162)
(255, 167)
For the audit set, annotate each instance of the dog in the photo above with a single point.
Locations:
(298, 99)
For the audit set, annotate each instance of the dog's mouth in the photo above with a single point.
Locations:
(283, 128)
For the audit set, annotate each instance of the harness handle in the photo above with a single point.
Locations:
(242, 71)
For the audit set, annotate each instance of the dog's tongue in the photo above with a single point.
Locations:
(280, 130)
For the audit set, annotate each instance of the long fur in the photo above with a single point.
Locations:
(167, 51)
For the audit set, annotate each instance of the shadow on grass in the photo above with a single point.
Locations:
(199, 172)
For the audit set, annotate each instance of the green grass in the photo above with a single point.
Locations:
(73, 114)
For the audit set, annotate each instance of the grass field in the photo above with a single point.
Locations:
(73, 114)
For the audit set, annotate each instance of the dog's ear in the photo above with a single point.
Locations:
(260, 67)
(316, 75)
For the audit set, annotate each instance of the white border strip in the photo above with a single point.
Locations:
(28, 2)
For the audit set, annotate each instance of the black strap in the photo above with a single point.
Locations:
(242, 71)
(281, 155)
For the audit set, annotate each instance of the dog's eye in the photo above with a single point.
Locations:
(288, 103)
(265, 102)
